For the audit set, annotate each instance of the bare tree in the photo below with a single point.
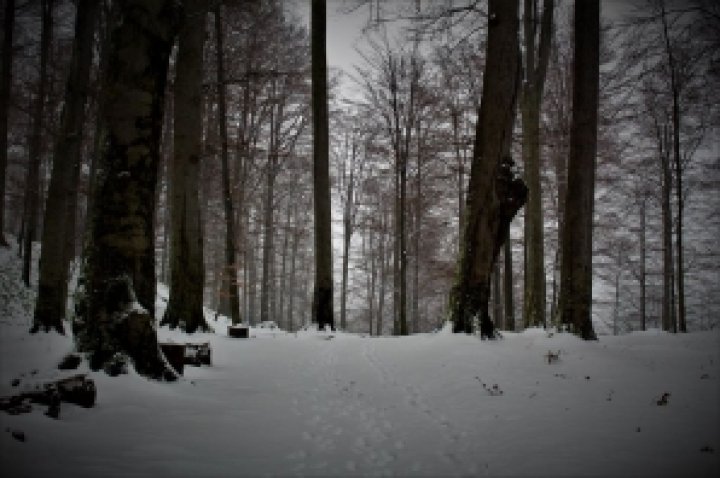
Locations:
(32, 185)
(494, 193)
(62, 192)
(323, 293)
(576, 269)
(230, 249)
(187, 274)
(532, 92)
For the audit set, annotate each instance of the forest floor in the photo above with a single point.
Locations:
(323, 403)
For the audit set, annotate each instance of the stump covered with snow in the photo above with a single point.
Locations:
(238, 331)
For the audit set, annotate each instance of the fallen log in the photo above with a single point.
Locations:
(77, 389)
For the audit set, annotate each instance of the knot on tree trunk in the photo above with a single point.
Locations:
(510, 189)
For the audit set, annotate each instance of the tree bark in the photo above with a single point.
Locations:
(534, 303)
(62, 191)
(494, 194)
(323, 292)
(32, 187)
(116, 296)
(5, 84)
(230, 256)
(187, 270)
(576, 269)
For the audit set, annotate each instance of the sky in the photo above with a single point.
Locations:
(345, 28)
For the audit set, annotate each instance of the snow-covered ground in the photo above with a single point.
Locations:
(317, 403)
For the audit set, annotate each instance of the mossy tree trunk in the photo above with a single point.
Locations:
(575, 302)
(62, 191)
(115, 306)
(187, 273)
(494, 194)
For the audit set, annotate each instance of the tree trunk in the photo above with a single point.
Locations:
(115, 306)
(32, 187)
(509, 321)
(534, 303)
(576, 269)
(62, 192)
(268, 229)
(187, 270)
(384, 266)
(5, 84)
(675, 88)
(494, 194)
(293, 268)
(497, 297)
(323, 293)
(230, 259)
(416, 236)
(347, 236)
(643, 273)
(668, 307)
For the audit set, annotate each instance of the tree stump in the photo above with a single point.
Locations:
(238, 331)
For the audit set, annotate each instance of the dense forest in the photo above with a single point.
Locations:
(500, 164)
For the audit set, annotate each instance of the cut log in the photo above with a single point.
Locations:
(198, 354)
(238, 331)
(175, 355)
(77, 389)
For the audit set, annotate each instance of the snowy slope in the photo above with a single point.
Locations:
(335, 404)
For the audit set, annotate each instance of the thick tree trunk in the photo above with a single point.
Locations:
(576, 269)
(187, 271)
(494, 194)
(323, 293)
(5, 83)
(534, 303)
(230, 257)
(104, 31)
(32, 186)
(54, 260)
(116, 299)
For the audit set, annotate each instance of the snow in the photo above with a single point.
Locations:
(335, 404)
